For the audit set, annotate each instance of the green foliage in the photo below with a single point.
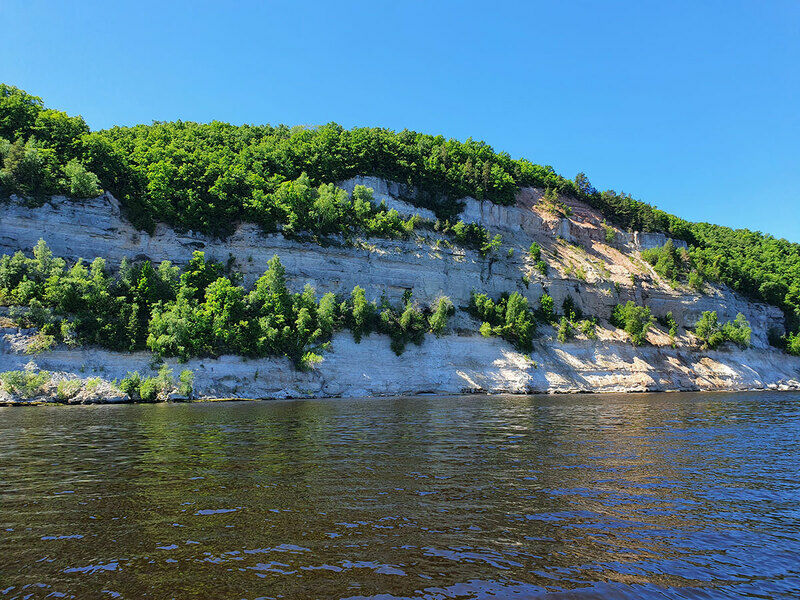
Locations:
(713, 333)
(738, 331)
(130, 384)
(793, 344)
(669, 262)
(18, 112)
(547, 308)
(81, 183)
(41, 342)
(25, 384)
(186, 383)
(671, 324)
(570, 309)
(695, 280)
(564, 330)
(404, 324)
(634, 319)
(208, 177)
(150, 389)
(610, 233)
(362, 314)
(589, 328)
(200, 312)
(535, 251)
(443, 311)
(68, 388)
(552, 203)
(709, 330)
(470, 235)
(509, 317)
(756, 265)
(30, 170)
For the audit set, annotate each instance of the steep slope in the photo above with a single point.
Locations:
(584, 264)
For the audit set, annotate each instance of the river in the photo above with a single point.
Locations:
(574, 496)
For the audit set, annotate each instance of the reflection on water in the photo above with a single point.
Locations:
(634, 496)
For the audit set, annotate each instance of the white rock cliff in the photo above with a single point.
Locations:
(596, 274)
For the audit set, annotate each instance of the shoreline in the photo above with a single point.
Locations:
(441, 366)
(776, 388)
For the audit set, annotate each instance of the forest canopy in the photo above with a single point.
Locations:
(210, 176)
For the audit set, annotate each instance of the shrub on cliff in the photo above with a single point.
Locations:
(547, 308)
(443, 311)
(564, 330)
(200, 312)
(80, 182)
(713, 333)
(793, 344)
(634, 319)
(509, 317)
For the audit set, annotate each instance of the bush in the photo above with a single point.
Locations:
(709, 330)
(80, 182)
(696, 281)
(510, 318)
(564, 330)
(589, 328)
(40, 343)
(149, 389)
(635, 320)
(186, 383)
(25, 384)
(130, 385)
(546, 308)
(68, 388)
(471, 235)
(793, 344)
(402, 327)
(438, 319)
(713, 333)
(738, 331)
(535, 251)
(362, 315)
(570, 309)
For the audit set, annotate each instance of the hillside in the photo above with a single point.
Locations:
(406, 264)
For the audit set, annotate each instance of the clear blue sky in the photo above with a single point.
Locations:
(692, 106)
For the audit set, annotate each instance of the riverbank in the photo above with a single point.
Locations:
(446, 365)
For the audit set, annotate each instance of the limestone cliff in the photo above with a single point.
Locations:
(582, 264)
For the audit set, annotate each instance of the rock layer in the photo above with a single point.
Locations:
(582, 264)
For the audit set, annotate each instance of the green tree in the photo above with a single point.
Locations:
(635, 320)
(81, 183)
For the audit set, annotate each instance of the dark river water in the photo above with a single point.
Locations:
(579, 496)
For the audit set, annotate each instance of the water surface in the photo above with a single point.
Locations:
(585, 496)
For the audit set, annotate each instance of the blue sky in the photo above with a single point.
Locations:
(691, 106)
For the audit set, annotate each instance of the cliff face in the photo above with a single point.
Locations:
(450, 364)
(582, 264)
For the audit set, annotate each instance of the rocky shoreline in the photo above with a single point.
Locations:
(448, 365)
